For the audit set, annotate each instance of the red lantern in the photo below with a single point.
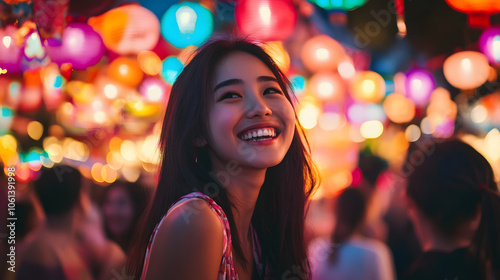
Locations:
(478, 11)
(266, 20)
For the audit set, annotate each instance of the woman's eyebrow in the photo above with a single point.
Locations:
(239, 81)
(266, 79)
(228, 83)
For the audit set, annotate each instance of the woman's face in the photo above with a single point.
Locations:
(251, 121)
(118, 211)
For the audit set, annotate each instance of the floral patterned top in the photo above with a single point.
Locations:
(227, 270)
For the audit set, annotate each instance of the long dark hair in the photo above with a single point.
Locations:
(448, 185)
(350, 211)
(279, 212)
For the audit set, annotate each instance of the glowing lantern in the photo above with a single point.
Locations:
(266, 20)
(398, 108)
(10, 52)
(81, 46)
(322, 53)
(153, 89)
(368, 86)
(187, 24)
(478, 11)
(127, 29)
(31, 99)
(371, 129)
(171, 68)
(126, 71)
(342, 4)
(466, 70)
(489, 44)
(279, 54)
(327, 86)
(419, 85)
(357, 113)
(150, 62)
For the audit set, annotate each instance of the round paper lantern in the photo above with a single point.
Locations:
(327, 86)
(126, 71)
(186, 24)
(171, 68)
(398, 108)
(466, 70)
(357, 113)
(478, 11)
(342, 4)
(322, 53)
(127, 29)
(419, 85)
(266, 20)
(489, 44)
(80, 45)
(153, 89)
(10, 52)
(368, 86)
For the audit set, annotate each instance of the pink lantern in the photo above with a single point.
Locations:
(419, 85)
(10, 52)
(81, 46)
(266, 20)
(489, 44)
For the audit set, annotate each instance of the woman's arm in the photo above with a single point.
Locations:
(188, 244)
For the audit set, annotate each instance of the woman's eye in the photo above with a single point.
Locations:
(229, 95)
(272, 90)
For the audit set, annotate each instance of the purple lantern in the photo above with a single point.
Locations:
(10, 53)
(80, 45)
(489, 44)
(419, 85)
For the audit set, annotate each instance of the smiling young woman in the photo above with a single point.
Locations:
(235, 174)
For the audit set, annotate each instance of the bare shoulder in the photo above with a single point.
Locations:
(188, 243)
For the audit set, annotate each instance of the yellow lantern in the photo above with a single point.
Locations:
(322, 53)
(466, 70)
(368, 86)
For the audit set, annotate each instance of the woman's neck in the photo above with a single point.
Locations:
(243, 189)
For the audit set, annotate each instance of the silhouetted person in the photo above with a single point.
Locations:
(454, 204)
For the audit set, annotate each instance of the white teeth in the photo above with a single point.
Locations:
(263, 132)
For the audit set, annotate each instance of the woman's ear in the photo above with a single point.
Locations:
(199, 142)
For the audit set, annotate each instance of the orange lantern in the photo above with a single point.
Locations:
(128, 29)
(478, 11)
(327, 86)
(368, 86)
(398, 108)
(466, 70)
(322, 53)
(126, 71)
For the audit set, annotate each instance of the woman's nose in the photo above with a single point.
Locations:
(257, 106)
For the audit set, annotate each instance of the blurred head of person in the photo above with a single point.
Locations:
(453, 200)
(350, 212)
(58, 189)
(122, 204)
